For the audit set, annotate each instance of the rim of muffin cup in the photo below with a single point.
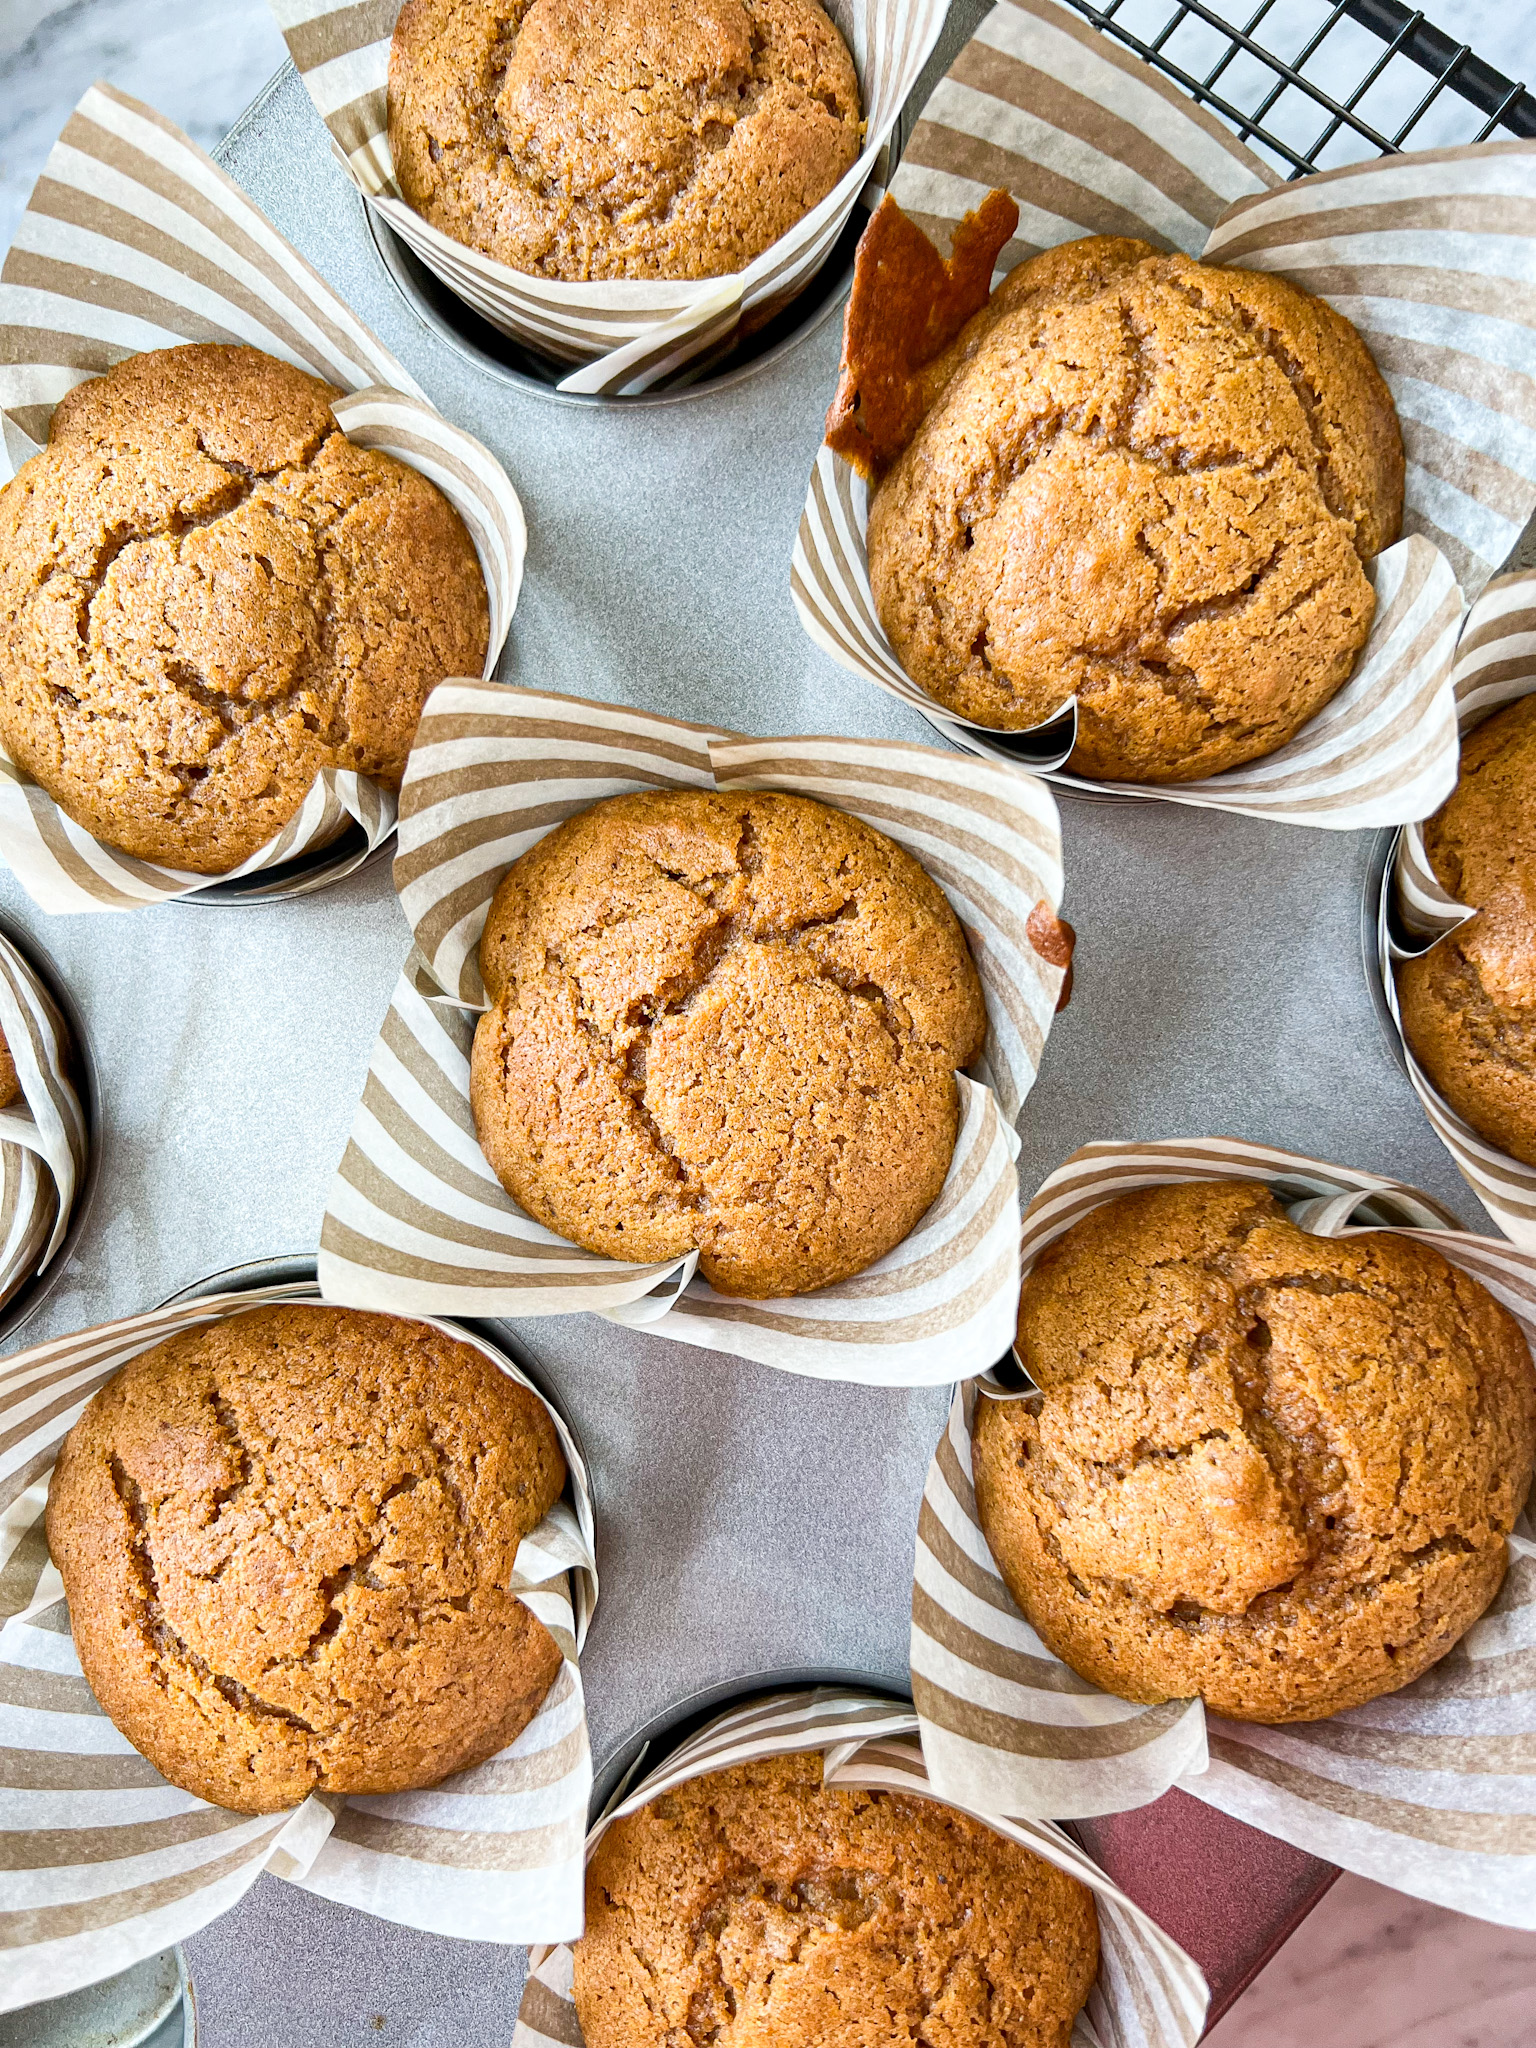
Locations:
(648, 1745)
(495, 355)
(61, 2019)
(306, 874)
(34, 1293)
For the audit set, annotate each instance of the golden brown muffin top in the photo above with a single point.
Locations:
(755, 1905)
(286, 1539)
(729, 1022)
(208, 595)
(1148, 484)
(619, 138)
(1468, 1005)
(10, 1080)
(1271, 1468)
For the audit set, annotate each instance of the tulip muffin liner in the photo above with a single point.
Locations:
(1149, 1993)
(627, 334)
(133, 240)
(1431, 1790)
(1431, 254)
(106, 1863)
(416, 1220)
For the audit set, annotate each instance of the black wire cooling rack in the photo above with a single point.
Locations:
(1309, 84)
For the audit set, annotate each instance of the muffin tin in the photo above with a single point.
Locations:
(753, 1527)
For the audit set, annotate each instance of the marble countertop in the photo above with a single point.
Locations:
(1369, 1969)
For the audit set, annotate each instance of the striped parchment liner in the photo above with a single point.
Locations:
(44, 1141)
(106, 1863)
(132, 240)
(1149, 1993)
(627, 333)
(1431, 254)
(1431, 1790)
(1495, 664)
(416, 1221)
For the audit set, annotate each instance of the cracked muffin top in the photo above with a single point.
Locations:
(1270, 1468)
(1149, 485)
(208, 595)
(619, 138)
(286, 1540)
(757, 1905)
(1468, 1005)
(724, 1022)
(10, 1080)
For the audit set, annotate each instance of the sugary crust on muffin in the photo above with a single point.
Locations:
(625, 138)
(1468, 1005)
(754, 1905)
(1148, 484)
(287, 1538)
(729, 1022)
(208, 595)
(1273, 1469)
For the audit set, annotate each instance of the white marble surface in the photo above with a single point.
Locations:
(1369, 1969)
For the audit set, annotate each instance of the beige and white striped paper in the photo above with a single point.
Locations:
(1431, 1790)
(133, 240)
(628, 333)
(1149, 1993)
(104, 1863)
(1431, 254)
(44, 1142)
(1495, 664)
(417, 1221)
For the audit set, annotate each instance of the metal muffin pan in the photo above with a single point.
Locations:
(149, 2006)
(749, 1522)
(654, 1740)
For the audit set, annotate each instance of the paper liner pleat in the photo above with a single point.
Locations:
(416, 1219)
(1149, 1993)
(1431, 254)
(44, 1142)
(1495, 665)
(106, 1863)
(628, 334)
(1428, 1790)
(134, 239)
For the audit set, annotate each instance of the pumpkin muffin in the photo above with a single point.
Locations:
(208, 595)
(757, 1905)
(619, 138)
(10, 1080)
(286, 1540)
(1273, 1469)
(1150, 486)
(1468, 1005)
(728, 1023)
